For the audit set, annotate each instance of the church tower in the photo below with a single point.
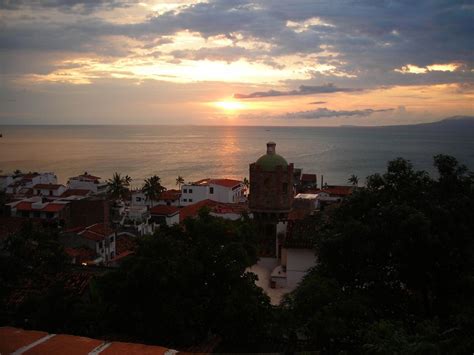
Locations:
(271, 193)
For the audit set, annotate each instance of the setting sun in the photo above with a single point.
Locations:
(230, 105)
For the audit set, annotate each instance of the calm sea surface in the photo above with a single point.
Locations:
(197, 152)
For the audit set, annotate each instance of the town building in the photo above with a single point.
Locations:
(21, 185)
(98, 239)
(39, 207)
(49, 190)
(168, 198)
(220, 190)
(87, 181)
(271, 195)
(165, 215)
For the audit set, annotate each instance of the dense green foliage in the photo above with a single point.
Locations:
(117, 187)
(396, 271)
(152, 188)
(186, 284)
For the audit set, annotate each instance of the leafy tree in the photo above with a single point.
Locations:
(188, 283)
(354, 180)
(396, 266)
(118, 185)
(179, 181)
(33, 253)
(153, 188)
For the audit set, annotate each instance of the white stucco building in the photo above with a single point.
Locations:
(49, 190)
(22, 184)
(87, 182)
(167, 198)
(220, 190)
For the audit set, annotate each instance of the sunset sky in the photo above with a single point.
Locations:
(235, 62)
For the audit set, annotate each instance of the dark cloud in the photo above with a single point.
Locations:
(83, 7)
(317, 103)
(326, 113)
(369, 38)
(302, 90)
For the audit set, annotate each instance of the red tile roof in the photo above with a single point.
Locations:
(170, 195)
(59, 343)
(192, 210)
(308, 178)
(225, 182)
(214, 206)
(220, 182)
(96, 232)
(47, 186)
(50, 207)
(89, 176)
(164, 210)
(133, 349)
(53, 207)
(23, 206)
(76, 192)
(340, 191)
(12, 339)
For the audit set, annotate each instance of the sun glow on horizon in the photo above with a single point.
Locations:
(230, 105)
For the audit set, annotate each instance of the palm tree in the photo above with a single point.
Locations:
(118, 185)
(354, 180)
(246, 182)
(179, 181)
(153, 188)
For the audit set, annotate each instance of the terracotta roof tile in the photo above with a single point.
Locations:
(225, 182)
(339, 190)
(192, 210)
(133, 349)
(12, 339)
(170, 195)
(75, 192)
(164, 210)
(61, 342)
(53, 207)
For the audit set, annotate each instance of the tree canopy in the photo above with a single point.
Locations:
(187, 283)
(396, 266)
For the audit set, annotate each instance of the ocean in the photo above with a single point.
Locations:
(197, 152)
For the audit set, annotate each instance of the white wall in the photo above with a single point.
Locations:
(298, 262)
(170, 220)
(203, 192)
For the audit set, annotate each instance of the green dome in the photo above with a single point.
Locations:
(269, 162)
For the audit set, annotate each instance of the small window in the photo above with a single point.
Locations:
(185, 200)
(50, 192)
(190, 200)
(190, 191)
(211, 190)
(112, 239)
(100, 245)
(185, 191)
(138, 199)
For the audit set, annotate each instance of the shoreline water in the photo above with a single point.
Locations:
(197, 152)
